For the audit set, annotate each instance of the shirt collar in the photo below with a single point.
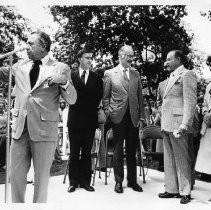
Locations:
(123, 68)
(43, 60)
(81, 71)
(177, 70)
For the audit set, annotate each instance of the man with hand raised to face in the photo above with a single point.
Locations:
(82, 121)
(123, 104)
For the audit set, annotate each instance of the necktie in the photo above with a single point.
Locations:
(83, 76)
(125, 75)
(35, 72)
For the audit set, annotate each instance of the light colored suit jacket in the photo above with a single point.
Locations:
(160, 93)
(39, 104)
(206, 107)
(117, 97)
(179, 101)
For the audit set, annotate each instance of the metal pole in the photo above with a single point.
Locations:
(8, 132)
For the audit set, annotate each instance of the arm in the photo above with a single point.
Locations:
(142, 116)
(63, 78)
(99, 91)
(141, 100)
(106, 93)
(68, 91)
(190, 100)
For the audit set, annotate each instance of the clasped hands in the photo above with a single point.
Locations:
(181, 131)
(207, 119)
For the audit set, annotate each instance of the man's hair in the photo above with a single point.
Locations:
(179, 54)
(123, 48)
(44, 39)
(83, 51)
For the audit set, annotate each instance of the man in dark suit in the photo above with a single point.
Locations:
(123, 104)
(82, 121)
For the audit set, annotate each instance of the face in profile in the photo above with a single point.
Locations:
(36, 50)
(171, 62)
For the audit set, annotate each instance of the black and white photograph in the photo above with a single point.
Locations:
(105, 105)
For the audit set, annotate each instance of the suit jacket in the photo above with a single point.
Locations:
(160, 93)
(179, 101)
(206, 107)
(83, 114)
(117, 97)
(39, 104)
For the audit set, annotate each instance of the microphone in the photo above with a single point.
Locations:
(13, 52)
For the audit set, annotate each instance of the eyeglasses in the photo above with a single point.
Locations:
(88, 58)
(129, 56)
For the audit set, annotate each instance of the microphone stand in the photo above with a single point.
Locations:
(8, 132)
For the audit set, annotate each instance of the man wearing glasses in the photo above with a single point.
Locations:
(123, 103)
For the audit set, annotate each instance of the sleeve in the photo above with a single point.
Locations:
(106, 92)
(189, 97)
(68, 91)
(159, 99)
(141, 100)
(205, 106)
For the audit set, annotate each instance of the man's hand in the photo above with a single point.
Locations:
(207, 119)
(58, 79)
(141, 124)
(183, 129)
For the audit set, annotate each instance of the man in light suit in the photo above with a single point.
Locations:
(177, 112)
(39, 80)
(123, 103)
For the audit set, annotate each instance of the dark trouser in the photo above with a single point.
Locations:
(125, 130)
(2, 150)
(81, 142)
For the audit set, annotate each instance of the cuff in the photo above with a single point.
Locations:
(65, 86)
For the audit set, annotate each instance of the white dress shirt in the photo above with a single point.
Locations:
(127, 72)
(86, 75)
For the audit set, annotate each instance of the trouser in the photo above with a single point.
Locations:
(80, 164)
(125, 131)
(42, 153)
(177, 164)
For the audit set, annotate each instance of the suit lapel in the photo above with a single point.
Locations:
(45, 72)
(132, 78)
(172, 82)
(25, 75)
(120, 76)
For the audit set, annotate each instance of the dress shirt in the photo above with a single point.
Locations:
(86, 75)
(127, 72)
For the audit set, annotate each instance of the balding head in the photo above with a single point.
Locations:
(126, 55)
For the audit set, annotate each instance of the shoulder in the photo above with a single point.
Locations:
(61, 64)
(95, 75)
(189, 74)
(110, 71)
(21, 62)
(162, 83)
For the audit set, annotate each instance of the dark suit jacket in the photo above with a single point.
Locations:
(83, 114)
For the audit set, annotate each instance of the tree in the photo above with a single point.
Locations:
(13, 28)
(154, 29)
